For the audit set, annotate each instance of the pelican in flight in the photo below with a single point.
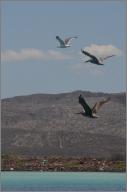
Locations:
(91, 112)
(94, 59)
(64, 43)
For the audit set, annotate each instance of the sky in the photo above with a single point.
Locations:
(32, 63)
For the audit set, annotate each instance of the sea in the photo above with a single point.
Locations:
(63, 181)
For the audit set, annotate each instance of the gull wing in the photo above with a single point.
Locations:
(101, 59)
(60, 40)
(99, 104)
(88, 54)
(85, 106)
(68, 40)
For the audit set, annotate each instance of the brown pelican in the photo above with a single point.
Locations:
(64, 43)
(91, 112)
(94, 59)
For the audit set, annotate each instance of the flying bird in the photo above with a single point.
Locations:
(64, 43)
(94, 59)
(91, 112)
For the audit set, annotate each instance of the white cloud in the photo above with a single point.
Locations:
(103, 50)
(78, 68)
(33, 54)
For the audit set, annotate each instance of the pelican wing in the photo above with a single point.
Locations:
(84, 104)
(106, 57)
(60, 40)
(88, 54)
(99, 104)
(68, 40)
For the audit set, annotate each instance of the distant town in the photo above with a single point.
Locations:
(23, 163)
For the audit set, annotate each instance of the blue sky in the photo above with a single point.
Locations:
(31, 61)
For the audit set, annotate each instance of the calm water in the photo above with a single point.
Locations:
(63, 181)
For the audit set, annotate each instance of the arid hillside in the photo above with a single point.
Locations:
(49, 124)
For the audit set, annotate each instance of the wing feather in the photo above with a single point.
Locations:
(60, 40)
(99, 104)
(85, 106)
(88, 54)
(68, 40)
(106, 57)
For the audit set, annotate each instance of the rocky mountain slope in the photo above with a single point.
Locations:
(49, 124)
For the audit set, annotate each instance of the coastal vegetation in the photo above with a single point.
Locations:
(14, 162)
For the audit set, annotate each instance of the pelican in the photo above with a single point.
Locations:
(91, 112)
(94, 59)
(64, 43)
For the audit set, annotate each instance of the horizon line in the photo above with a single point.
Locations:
(66, 92)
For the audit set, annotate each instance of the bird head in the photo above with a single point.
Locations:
(57, 37)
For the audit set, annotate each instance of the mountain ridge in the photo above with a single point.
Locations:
(47, 124)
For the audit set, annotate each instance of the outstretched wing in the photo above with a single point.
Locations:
(68, 40)
(99, 104)
(84, 105)
(101, 59)
(88, 54)
(60, 40)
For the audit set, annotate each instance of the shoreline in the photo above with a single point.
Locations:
(61, 164)
(64, 171)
